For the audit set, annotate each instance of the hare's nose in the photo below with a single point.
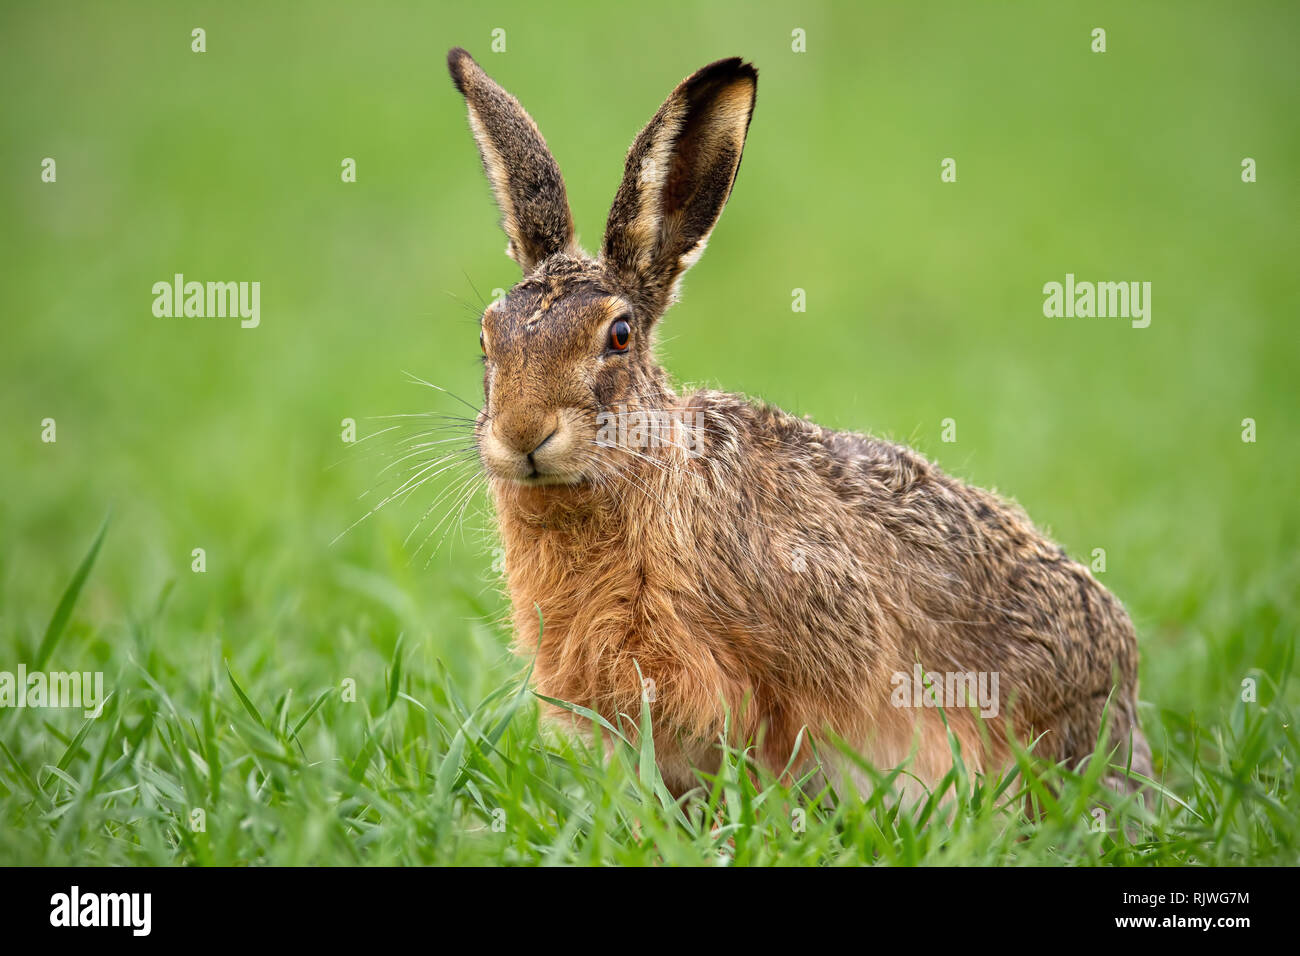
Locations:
(538, 446)
(527, 438)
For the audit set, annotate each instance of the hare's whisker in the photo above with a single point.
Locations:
(446, 492)
(419, 381)
(469, 488)
(420, 450)
(481, 301)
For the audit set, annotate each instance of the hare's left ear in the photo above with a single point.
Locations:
(523, 173)
(678, 175)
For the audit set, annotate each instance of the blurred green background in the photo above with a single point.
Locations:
(924, 299)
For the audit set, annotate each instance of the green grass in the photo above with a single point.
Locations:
(411, 773)
(924, 303)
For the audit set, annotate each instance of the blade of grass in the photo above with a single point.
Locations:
(59, 622)
(243, 698)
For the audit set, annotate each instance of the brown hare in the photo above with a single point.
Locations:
(723, 557)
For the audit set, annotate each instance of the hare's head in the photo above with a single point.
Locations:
(573, 338)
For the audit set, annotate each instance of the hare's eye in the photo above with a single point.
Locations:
(620, 335)
(482, 342)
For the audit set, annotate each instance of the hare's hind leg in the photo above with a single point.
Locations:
(1124, 747)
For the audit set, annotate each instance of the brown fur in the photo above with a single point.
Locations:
(785, 572)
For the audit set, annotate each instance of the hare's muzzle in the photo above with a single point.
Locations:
(531, 449)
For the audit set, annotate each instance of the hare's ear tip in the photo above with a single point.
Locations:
(731, 68)
(458, 64)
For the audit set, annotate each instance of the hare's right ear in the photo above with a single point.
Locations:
(678, 176)
(524, 176)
